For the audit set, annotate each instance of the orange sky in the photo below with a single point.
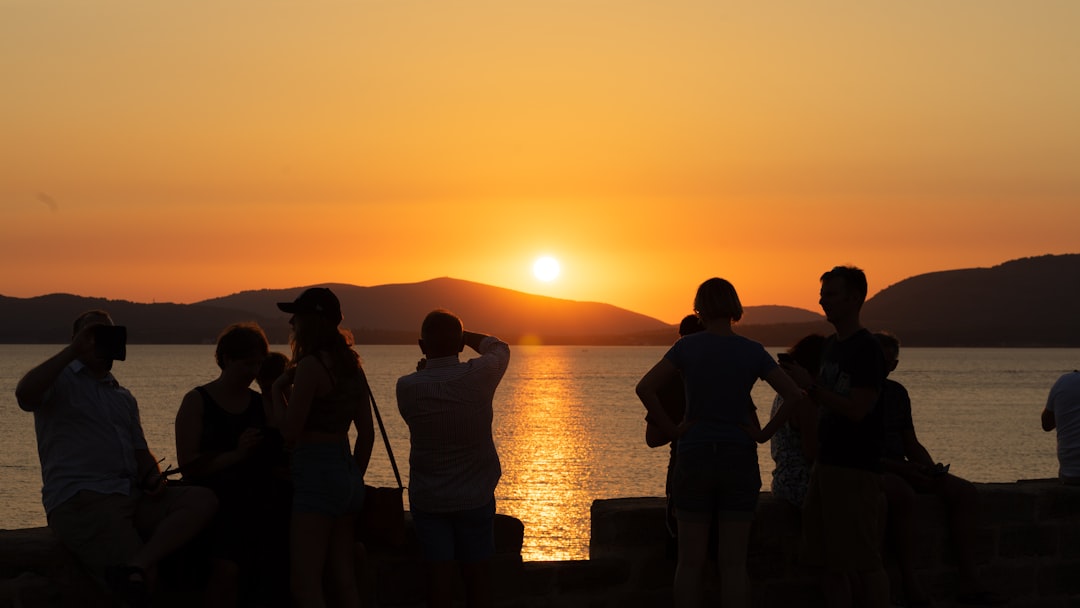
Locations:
(181, 151)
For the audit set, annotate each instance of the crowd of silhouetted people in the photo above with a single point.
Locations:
(843, 441)
(264, 509)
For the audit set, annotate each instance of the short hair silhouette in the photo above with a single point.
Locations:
(272, 366)
(717, 299)
(86, 318)
(690, 324)
(240, 340)
(441, 331)
(854, 279)
(807, 352)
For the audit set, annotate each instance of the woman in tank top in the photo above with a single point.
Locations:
(223, 443)
(321, 394)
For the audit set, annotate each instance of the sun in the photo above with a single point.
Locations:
(546, 268)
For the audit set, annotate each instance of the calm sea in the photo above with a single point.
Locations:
(570, 430)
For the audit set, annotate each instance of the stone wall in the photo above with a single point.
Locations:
(1028, 550)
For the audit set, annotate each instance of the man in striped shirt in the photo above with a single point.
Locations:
(453, 465)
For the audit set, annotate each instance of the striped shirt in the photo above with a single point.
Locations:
(453, 465)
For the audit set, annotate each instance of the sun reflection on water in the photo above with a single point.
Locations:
(545, 444)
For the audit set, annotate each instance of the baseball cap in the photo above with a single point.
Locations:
(318, 300)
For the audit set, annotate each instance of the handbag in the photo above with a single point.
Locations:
(382, 519)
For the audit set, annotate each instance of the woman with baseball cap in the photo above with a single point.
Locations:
(320, 395)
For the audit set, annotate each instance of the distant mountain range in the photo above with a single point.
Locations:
(1027, 302)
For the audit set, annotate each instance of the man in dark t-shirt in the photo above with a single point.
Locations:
(853, 363)
(844, 507)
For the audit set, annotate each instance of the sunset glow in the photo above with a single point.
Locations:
(164, 152)
(546, 269)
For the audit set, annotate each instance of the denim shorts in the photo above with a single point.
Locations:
(721, 478)
(326, 480)
(467, 536)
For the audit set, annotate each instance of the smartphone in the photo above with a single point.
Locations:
(110, 342)
(939, 469)
(785, 358)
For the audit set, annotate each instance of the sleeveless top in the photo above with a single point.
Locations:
(221, 432)
(792, 473)
(221, 429)
(335, 411)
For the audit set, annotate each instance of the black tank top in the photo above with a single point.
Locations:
(221, 432)
(221, 429)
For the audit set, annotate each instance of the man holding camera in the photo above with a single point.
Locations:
(102, 488)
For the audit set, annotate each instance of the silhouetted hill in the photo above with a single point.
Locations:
(47, 319)
(398, 309)
(386, 314)
(395, 312)
(1026, 302)
(772, 315)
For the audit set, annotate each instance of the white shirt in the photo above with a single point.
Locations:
(453, 465)
(1064, 402)
(88, 430)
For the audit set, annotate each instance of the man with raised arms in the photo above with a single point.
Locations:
(102, 488)
(453, 465)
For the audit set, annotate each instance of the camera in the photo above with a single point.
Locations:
(110, 342)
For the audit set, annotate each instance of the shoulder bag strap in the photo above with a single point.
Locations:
(382, 429)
